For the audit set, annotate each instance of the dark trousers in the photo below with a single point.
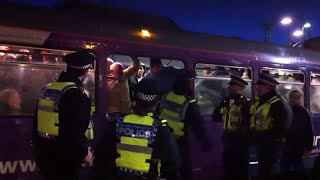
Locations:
(315, 172)
(292, 159)
(268, 152)
(184, 149)
(235, 160)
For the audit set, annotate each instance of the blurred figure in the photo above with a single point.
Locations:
(164, 77)
(233, 111)
(207, 71)
(134, 145)
(135, 79)
(270, 119)
(109, 63)
(183, 116)
(10, 102)
(118, 89)
(299, 139)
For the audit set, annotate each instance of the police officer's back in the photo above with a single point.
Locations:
(136, 144)
(62, 119)
(270, 118)
(233, 111)
(183, 115)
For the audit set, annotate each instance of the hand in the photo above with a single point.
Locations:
(89, 159)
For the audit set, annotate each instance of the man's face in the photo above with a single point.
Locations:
(236, 89)
(295, 98)
(263, 89)
(117, 72)
(206, 72)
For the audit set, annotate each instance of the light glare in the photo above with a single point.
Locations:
(307, 25)
(145, 33)
(286, 21)
(298, 33)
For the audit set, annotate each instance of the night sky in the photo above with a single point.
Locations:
(238, 18)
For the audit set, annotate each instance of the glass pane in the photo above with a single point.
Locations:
(209, 92)
(285, 75)
(284, 90)
(209, 70)
(315, 100)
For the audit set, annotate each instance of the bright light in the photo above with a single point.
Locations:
(281, 73)
(286, 21)
(90, 46)
(4, 48)
(298, 33)
(145, 33)
(287, 86)
(307, 25)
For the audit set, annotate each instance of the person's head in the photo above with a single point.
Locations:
(116, 70)
(146, 97)
(79, 63)
(141, 71)
(206, 71)
(109, 63)
(156, 65)
(236, 85)
(295, 97)
(10, 97)
(184, 82)
(266, 84)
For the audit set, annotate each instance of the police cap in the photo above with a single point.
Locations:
(267, 80)
(146, 93)
(80, 60)
(235, 80)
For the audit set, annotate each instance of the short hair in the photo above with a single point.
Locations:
(114, 65)
(155, 61)
(295, 91)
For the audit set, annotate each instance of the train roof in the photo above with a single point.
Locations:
(118, 24)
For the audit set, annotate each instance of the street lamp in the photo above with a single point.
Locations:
(307, 25)
(286, 21)
(298, 33)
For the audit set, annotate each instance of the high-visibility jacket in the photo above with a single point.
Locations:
(173, 109)
(136, 134)
(260, 116)
(232, 117)
(48, 111)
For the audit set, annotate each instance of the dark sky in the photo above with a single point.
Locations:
(240, 18)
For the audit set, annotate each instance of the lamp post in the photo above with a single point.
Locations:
(286, 21)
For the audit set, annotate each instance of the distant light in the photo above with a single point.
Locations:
(307, 25)
(281, 73)
(298, 33)
(288, 86)
(286, 21)
(90, 46)
(4, 48)
(145, 33)
(254, 162)
(24, 50)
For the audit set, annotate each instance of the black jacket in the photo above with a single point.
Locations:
(245, 113)
(300, 134)
(164, 148)
(74, 116)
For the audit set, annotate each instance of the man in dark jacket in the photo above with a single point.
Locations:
(299, 139)
(183, 116)
(134, 145)
(233, 111)
(270, 118)
(62, 119)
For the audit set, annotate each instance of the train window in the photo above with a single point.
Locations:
(315, 94)
(211, 84)
(289, 80)
(21, 84)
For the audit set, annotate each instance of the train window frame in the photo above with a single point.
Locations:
(313, 84)
(249, 80)
(290, 82)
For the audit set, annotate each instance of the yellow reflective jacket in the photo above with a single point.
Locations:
(48, 112)
(260, 116)
(173, 109)
(232, 117)
(136, 134)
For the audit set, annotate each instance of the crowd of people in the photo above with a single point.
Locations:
(150, 117)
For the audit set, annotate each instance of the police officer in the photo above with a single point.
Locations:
(233, 111)
(137, 145)
(62, 121)
(270, 118)
(183, 114)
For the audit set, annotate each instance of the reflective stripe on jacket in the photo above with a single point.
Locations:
(48, 111)
(136, 134)
(173, 109)
(261, 119)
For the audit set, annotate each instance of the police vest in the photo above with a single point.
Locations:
(260, 116)
(232, 117)
(48, 111)
(136, 134)
(173, 108)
